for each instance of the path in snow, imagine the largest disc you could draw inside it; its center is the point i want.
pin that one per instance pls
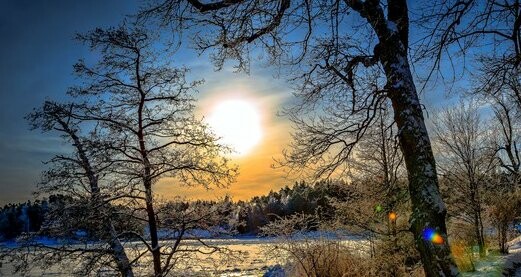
(512, 265)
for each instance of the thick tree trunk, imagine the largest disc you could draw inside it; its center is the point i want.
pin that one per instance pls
(428, 209)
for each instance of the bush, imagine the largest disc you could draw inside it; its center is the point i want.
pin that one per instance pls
(324, 257)
(306, 254)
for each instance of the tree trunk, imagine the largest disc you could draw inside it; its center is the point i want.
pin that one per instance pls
(428, 209)
(147, 179)
(121, 258)
(118, 251)
(476, 210)
(478, 226)
(152, 226)
(502, 237)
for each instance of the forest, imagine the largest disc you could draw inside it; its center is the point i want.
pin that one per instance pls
(236, 218)
(389, 184)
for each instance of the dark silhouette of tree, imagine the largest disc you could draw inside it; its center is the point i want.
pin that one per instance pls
(78, 176)
(16, 219)
(506, 117)
(145, 106)
(349, 58)
(453, 27)
(301, 199)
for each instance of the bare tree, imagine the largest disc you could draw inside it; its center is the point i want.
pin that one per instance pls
(504, 210)
(81, 178)
(378, 158)
(466, 157)
(146, 108)
(196, 221)
(338, 45)
(378, 180)
(505, 195)
(380, 207)
(491, 27)
(507, 143)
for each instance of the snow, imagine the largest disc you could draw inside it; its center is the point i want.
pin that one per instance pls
(497, 265)
(490, 266)
(275, 271)
(513, 259)
(331, 235)
(254, 259)
(431, 192)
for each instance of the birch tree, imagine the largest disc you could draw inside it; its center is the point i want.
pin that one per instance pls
(82, 177)
(332, 46)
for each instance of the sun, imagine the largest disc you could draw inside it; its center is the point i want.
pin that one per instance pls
(237, 122)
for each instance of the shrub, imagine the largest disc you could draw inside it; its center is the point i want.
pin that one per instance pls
(323, 257)
(306, 254)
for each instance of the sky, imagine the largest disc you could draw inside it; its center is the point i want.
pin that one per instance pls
(37, 53)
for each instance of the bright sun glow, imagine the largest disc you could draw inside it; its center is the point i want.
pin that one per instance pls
(237, 122)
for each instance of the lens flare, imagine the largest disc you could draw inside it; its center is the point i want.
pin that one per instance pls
(432, 236)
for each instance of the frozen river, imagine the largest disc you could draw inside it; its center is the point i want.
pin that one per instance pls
(243, 257)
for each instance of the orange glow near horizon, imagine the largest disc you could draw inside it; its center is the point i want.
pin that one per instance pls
(243, 114)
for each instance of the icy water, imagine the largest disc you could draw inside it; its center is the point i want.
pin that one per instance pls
(243, 257)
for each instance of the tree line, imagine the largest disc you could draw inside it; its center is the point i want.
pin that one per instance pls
(234, 217)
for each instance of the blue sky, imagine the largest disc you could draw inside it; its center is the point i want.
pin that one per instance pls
(37, 53)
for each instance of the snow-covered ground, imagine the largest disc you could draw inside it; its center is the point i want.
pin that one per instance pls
(496, 265)
(250, 262)
(512, 266)
(253, 258)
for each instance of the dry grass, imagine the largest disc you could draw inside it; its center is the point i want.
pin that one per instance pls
(332, 259)
(463, 256)
(327, 258)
